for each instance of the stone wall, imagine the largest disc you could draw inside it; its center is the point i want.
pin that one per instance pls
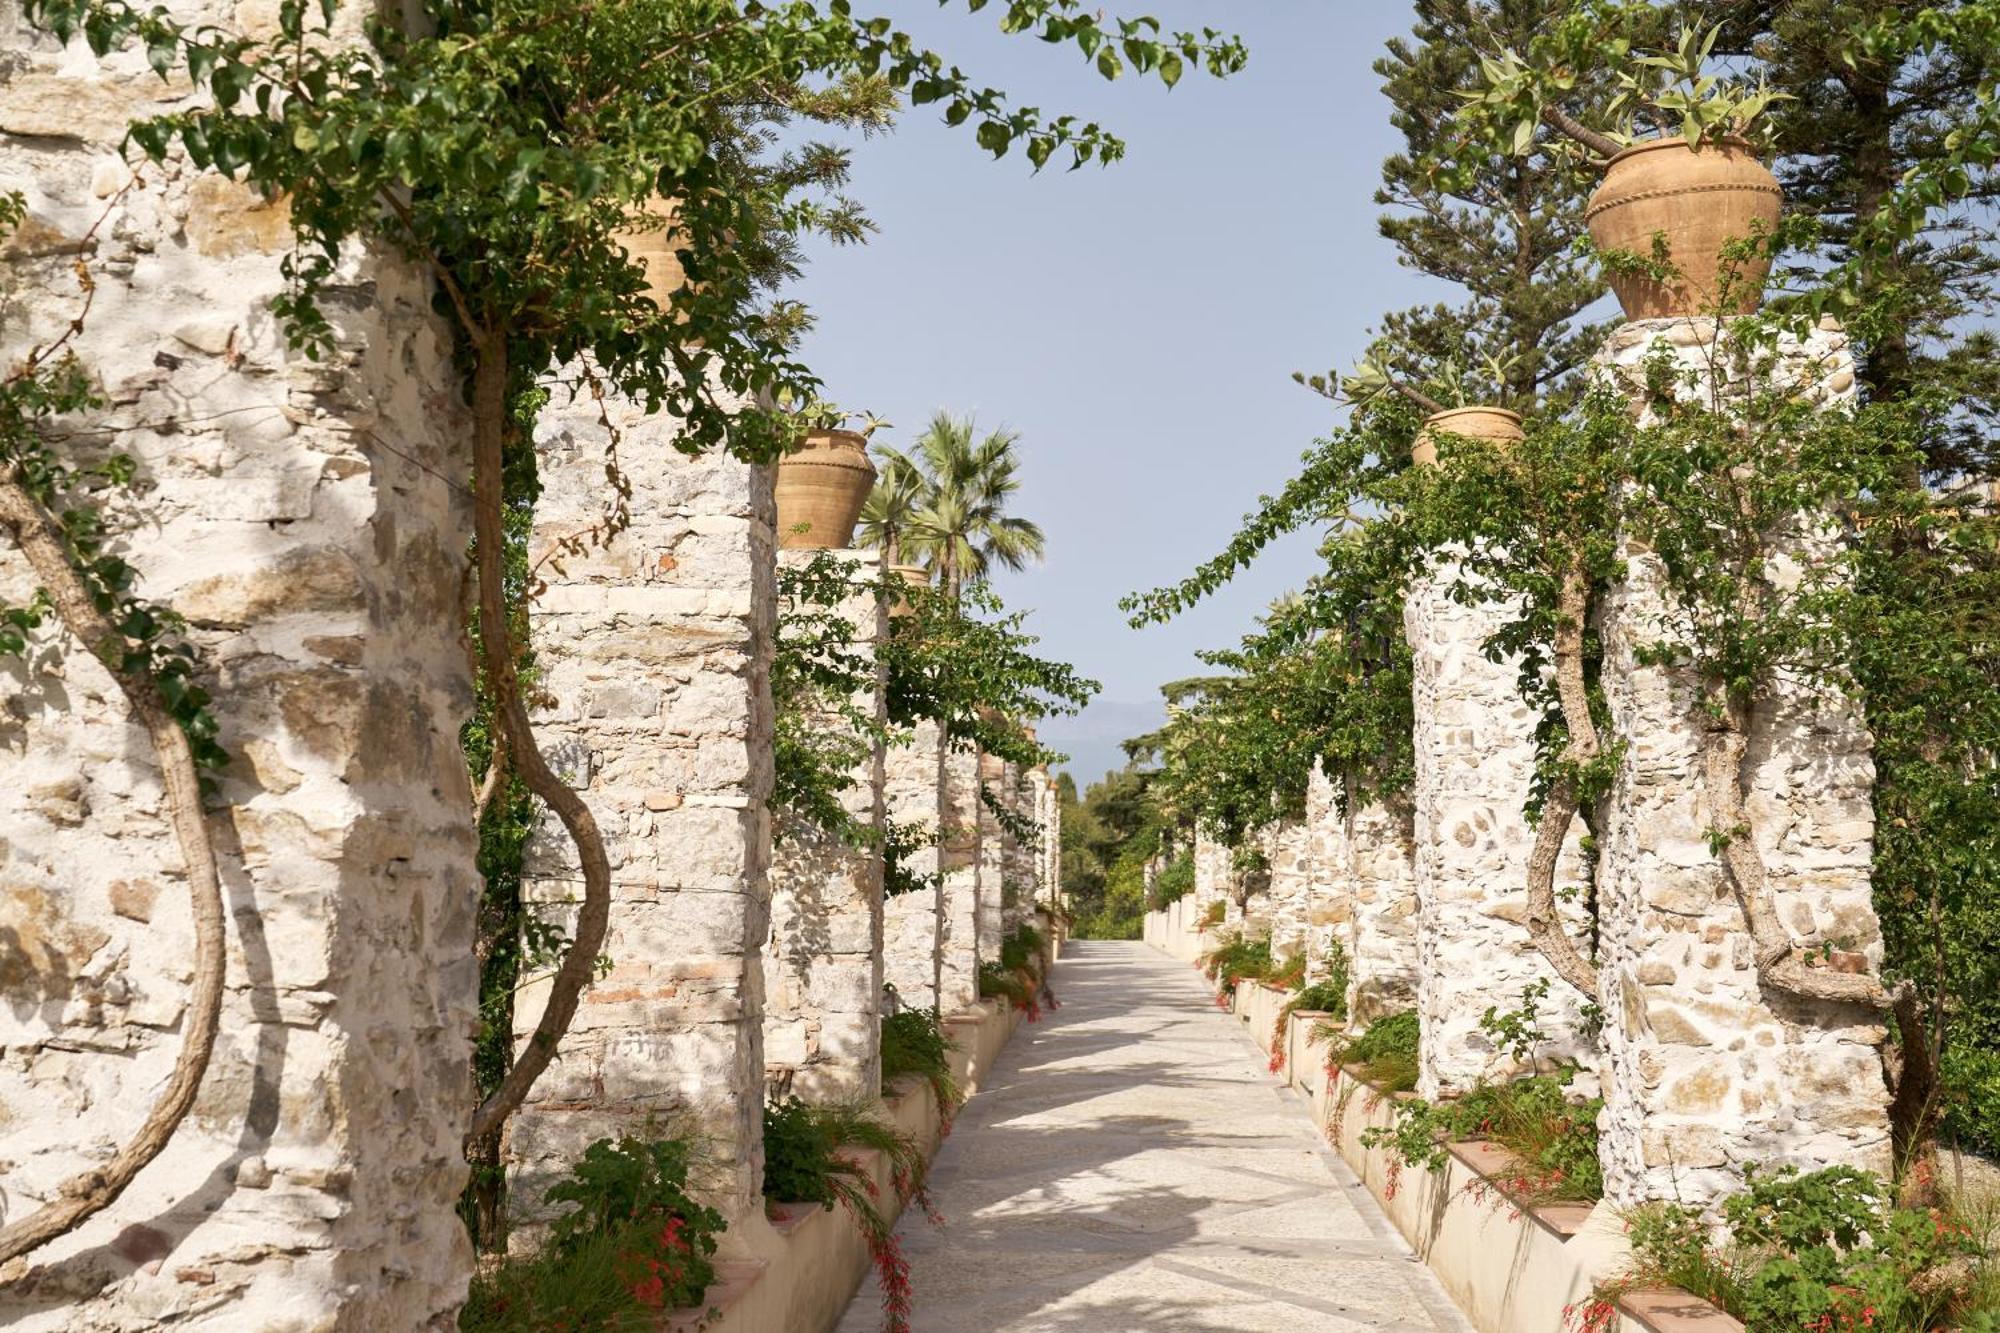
(958, 942)
(1329, 888)
(913, 788)
(1018, 853)
(823, 966)
(1048, 849)
(1380, 842)
(1475, 762)
(1214, 879)
(1706, 1070)
(309, 518)
(1285, 844)
(990, 915)
(655, 653)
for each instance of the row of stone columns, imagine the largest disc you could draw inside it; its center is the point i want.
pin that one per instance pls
(310, 520)
(1423, 896)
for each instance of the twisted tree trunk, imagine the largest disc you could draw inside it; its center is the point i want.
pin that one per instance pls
(90, 1191)
(489, 406)
(1544, 923)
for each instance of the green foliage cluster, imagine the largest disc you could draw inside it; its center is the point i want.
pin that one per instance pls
(914, 1044)
(1020, 973)
(1174, 882)
(633, 1243)
(945, 506)
(1108, 836)
(1385, 1052)
(1538, 1118)
(1825, 1250)
(1236, 957)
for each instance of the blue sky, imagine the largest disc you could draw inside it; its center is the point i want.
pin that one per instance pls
(1137, 324)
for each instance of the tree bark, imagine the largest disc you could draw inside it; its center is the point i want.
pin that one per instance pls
(1544, 922)
(489, 406)
(91, 1191)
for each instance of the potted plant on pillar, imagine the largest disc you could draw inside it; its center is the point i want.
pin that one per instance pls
(823, 484)
(1457, 400)
(1686, 201)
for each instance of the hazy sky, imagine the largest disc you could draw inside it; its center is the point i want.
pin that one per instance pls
(1137, 324)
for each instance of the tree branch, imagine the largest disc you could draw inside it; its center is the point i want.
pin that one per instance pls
(1544, 923)
(90, 1191)
(489, 407)
(1570, 127)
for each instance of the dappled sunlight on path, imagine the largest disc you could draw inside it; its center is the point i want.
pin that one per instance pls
(1129, 1165)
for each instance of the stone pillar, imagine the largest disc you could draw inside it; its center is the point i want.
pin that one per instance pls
(1705, 1069)
(1291, 887)
(1251, 874)
(1329, 889)
(1018, 853)
(1213, 879)
(958, 973)
(824, 962)
(309, 518)
(656, 653)
(913, 785)
(1475, 763)
(1379, 839)
(991, 919)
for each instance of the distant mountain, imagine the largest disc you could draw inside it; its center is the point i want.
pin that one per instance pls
(1091, 738)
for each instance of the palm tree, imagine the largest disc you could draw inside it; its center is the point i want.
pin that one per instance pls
(892, 507)
(947, 505)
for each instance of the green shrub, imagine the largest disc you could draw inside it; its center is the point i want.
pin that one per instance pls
(632, 1244)
(1174, 882)
(1212, 915)
(1535, 1118)
(913, 1042)
(1386, 1053)
(1825, 1250)
(1235, 959)
(1971, 1078)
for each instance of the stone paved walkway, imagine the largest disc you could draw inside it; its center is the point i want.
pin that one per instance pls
(1130, 1165)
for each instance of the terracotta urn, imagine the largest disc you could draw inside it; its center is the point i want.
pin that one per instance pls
(1698, 200)
(821, 489)
(915, 576)
(1478, 423)
(655, 250)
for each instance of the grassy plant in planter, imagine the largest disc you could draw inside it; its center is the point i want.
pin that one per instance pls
(1235, 959)
(1019, 974)
(1327, 997)
(812, 1155)
(913, 1042)
(633, 1245)
(1385, 1054)
(1212, 915)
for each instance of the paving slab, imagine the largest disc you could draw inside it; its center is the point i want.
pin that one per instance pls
(1129, 1164)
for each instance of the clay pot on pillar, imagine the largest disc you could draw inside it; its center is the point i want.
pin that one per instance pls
(1700, 200)
(915, 576)
(1477, 423)
(821, 489)
(655, 248)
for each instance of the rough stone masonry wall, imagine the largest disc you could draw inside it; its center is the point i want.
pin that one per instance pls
(1379, 840)
(1475, 761)
(1706, 1071)
(1048, 847)
(913, 793)
(1018, 853)
(1213, 879)
(657, 654)
(1285, 844)
(1329, 889)
(990, 915)
(823, 965)
(309, 520)
(958, 942)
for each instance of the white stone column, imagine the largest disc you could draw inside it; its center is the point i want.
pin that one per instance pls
(309, 519)
(1291, 887)
(657, 655)
(1018, 853)
(958, 984)
(823, 966)
(913, 922)
(991, 918)
(1380, 843)
(1213, 879)
(1475, 763)
(1706, 1070)
(1329, 890)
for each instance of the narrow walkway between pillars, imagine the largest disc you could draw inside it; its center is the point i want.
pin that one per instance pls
(1130, 1165)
